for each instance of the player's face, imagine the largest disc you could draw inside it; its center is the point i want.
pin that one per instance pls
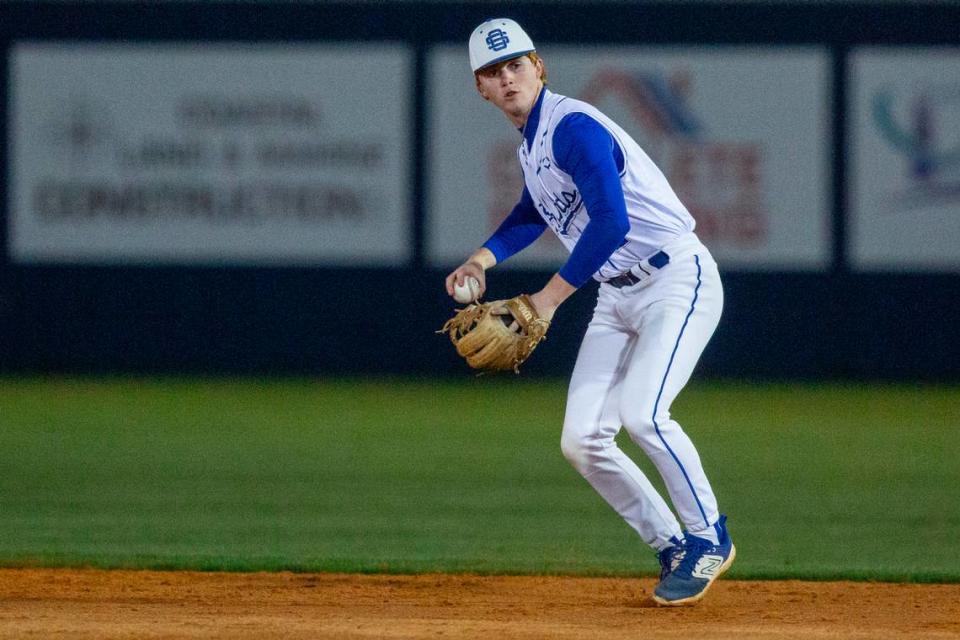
(513, 86)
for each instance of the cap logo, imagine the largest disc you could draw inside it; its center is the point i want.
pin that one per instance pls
(497, 40)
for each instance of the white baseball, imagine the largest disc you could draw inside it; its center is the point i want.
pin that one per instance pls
(468, 292)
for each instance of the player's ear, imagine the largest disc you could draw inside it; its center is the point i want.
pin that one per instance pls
(480, 90)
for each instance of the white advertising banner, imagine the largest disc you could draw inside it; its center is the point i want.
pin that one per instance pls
(209, 153)
(905, 163)
(742, 134)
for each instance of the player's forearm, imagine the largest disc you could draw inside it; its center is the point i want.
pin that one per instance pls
(557, 290)
(518, 230)
(483, 257)
(552, 296)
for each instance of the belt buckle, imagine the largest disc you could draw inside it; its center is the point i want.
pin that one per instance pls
(640, 271)
(627, 279)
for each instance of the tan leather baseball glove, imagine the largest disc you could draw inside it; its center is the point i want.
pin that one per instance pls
(498, 335)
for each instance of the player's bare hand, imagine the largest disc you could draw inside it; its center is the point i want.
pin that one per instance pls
(468, 269)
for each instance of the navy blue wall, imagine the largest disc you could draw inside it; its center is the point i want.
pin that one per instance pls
(836, 324)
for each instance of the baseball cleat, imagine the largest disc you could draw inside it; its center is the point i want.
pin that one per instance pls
(701, 563)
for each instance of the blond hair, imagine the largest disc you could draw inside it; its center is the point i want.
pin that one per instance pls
(490, 69)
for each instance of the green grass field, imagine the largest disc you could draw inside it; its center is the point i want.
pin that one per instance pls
(818, 481)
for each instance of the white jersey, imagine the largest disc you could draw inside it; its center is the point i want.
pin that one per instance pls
(655, 213)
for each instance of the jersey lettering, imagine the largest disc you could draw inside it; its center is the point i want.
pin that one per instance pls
(564, 207)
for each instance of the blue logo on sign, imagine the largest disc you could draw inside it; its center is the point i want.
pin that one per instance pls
(917, 125)
(497, 40)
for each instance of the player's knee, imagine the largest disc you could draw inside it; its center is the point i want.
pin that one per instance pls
(637, 419)
(579, 450)
(573, 449)
(643, 426)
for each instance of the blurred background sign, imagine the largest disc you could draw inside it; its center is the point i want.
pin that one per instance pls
(223, 187)
(206, 153)
(760, 192)
(905, 187)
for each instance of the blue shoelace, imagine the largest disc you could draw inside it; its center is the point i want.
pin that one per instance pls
(694, 548)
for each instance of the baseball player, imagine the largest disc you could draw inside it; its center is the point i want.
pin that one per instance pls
(659, 302)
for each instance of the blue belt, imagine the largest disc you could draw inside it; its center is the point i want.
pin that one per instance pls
(657, 261)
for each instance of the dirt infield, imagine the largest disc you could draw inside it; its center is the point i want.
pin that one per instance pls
(51, 603)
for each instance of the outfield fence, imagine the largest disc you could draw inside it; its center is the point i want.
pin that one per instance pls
(280, 188)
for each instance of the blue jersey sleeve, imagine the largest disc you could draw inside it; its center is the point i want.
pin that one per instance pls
(586, 151)
(518, 230)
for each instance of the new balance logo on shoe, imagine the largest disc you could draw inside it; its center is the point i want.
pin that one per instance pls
(707, 567)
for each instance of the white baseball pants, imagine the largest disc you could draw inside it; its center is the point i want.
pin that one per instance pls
(638, 353)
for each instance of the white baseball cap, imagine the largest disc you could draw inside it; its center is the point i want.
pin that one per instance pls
(496, 40)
